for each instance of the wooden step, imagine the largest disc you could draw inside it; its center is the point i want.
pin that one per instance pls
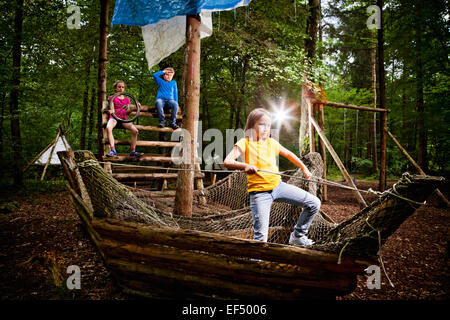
(154, 115)
(153, 128)
(123, 157)
(142, 143)
(150, 176)
(146, 128)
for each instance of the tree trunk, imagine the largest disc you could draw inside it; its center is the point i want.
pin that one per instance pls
(382, 88)
(2, 117)
(373, 126)
(185, 182)
(242, 92)
(422, 144)
(101, 80)
(84, 116)
(405, 129)
(312, 26)
(14, 96)
(232, 112)
(91, 119)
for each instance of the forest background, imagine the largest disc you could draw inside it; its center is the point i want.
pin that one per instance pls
(255, 57)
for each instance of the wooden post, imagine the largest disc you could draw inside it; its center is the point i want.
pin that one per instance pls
(322, 150)
(101, 79)
(341, 167)
(311, 114)
(304, 136)
(191, 66)
(383, 129)
(406, 154)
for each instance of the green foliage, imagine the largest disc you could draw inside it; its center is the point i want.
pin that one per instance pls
(254, 58)
(361, 165)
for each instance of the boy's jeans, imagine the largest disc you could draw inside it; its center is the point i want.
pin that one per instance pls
(161, 103)
(260, 203)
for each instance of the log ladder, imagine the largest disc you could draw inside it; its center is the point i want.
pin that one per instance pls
(154, 142)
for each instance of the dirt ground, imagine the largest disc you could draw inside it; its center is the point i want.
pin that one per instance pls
(43, 235)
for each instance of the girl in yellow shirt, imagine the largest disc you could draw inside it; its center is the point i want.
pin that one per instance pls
(260, 152)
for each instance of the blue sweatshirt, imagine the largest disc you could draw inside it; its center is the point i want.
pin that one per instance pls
(166, 90)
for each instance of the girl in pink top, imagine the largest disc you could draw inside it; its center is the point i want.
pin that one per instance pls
(119, 102)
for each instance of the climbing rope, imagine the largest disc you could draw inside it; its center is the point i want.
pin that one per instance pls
(282, 173)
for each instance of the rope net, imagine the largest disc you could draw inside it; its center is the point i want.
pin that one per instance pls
(226, 211)
(223, 208)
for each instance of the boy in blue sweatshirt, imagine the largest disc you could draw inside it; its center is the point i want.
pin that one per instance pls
(167, 96)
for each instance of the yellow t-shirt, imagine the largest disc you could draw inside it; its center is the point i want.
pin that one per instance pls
(262, 155)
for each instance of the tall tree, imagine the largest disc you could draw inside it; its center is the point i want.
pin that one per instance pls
(312, 28)
(15, 91)
(422, 144)
(382, 88)
(101, 80)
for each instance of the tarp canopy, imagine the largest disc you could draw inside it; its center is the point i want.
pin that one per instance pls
(144, 12)
(163, 22)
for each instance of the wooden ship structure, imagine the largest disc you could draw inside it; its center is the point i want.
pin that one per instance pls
(156, 254)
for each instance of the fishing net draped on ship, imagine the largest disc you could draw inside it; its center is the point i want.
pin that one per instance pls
(227, 210)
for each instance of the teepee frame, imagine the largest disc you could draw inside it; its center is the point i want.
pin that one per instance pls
(52, 145)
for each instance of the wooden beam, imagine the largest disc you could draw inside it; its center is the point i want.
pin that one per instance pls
(146, 176)
(414, 163)
(143, 143)
(338, 161)
(137, 233)
(185, 182)
(349, 106)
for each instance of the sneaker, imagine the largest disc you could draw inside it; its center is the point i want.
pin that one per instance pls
(302, 241)
(112, 153)
(161, 124)
(174, 126)
(134, 153)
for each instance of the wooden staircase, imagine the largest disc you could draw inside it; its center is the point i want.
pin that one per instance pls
(154, 142)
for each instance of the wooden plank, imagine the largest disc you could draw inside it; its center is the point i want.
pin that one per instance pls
(340, 165)
(142, 143)
(140, 234)
(153, 128)
(235, 269)
(143, 158)
(414, 163)
(204, 283)
(145, 176)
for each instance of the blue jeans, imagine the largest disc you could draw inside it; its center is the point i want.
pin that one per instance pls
(260, 203)
(161, 104)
